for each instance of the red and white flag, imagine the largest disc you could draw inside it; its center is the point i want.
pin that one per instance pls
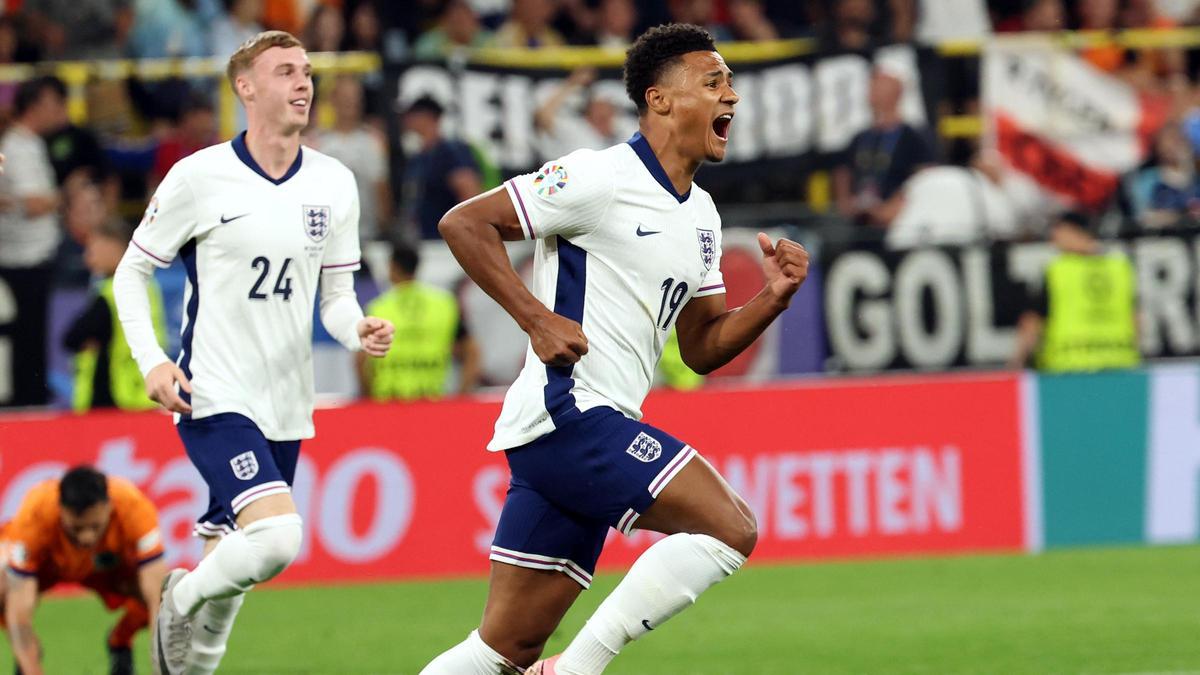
(1058, 121)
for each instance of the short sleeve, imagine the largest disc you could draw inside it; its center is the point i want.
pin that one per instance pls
(342, 253)
(169, 221)
(565, 197)
(26, 536)
(458, 156)
(139, 521)
(714, 282)
(28, 169)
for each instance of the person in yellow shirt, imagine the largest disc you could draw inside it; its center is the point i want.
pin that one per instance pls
(106, 375)
(1085, 318)
(430, 337)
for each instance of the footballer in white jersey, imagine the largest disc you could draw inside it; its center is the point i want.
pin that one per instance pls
(259, 222)
(627, 248)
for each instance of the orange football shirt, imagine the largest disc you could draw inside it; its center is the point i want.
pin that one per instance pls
(36, 544)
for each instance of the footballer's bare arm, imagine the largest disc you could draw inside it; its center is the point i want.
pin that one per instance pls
(711, 335)
(475, 231)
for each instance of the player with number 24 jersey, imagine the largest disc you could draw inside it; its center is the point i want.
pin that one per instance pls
(254, 248)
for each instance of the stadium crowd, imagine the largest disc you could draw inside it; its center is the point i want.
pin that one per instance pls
(65, 182)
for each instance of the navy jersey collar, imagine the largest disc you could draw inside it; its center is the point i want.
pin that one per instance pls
(645, 153)
(243, 153)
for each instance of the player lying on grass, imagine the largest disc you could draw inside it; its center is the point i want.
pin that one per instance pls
(101, 533)
(627, 247)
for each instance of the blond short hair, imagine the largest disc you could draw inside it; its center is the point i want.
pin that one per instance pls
(243, 58)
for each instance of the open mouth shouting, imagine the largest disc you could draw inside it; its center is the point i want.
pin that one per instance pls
(720, 126)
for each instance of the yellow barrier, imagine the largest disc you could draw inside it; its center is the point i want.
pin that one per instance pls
(77, 74)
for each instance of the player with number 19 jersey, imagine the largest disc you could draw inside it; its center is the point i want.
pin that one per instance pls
(254, 248)
(620, 251)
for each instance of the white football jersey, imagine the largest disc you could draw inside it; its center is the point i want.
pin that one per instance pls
(254, 248)
(621, 252)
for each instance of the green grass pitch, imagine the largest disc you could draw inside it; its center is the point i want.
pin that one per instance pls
(1083, 611)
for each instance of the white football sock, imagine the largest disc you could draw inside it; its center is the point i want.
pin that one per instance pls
(246, 557)
(211, 627)
(470, 657)
(664, 581)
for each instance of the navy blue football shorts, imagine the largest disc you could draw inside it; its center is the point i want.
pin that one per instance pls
(239, 464)
(599, 470)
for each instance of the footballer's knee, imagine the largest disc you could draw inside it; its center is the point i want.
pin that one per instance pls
(523, 651)
(740, 529)
(276, 543)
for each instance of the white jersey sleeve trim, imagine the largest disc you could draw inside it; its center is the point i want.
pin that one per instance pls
(714, 289)
(343, 267)
(518, 201)
(158, 260)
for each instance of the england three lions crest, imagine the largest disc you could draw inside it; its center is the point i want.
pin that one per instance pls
(316, 222)
(645, 448)
(245, 465)
(708, 247)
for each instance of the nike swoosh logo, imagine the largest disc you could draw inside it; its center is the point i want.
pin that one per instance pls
(214, 632)
(646, 623)
(230, 220)
(645, 233)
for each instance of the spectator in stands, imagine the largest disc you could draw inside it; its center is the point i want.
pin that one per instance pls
(430, 336)
(195, 129)
(560, 132)
(1085, 316)
(365, 30)
(363, 149)
(283, 15)
(168, 28)
(1101, 16)
(1167, 191)
(1164, 64)
(699, 13)
(940, 20)
(106, 376)
(29, 229)
(80, 29)
(1041, 15)
(852, 27)
(528, 25)
(74, 149)
(616, 21)
(439, 173)
(84, 210)
(881, 158)
(748, 21)
(9, 44)
(240, 22)
(458, 31)
(325, 29)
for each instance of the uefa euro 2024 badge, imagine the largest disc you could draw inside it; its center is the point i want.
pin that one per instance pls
(551, 178)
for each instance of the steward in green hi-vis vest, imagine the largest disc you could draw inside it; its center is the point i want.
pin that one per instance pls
(675, 373)
(1091, 314)
(427, 328)
(106, 374)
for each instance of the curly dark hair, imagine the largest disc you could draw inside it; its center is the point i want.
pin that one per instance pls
(655, 50)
